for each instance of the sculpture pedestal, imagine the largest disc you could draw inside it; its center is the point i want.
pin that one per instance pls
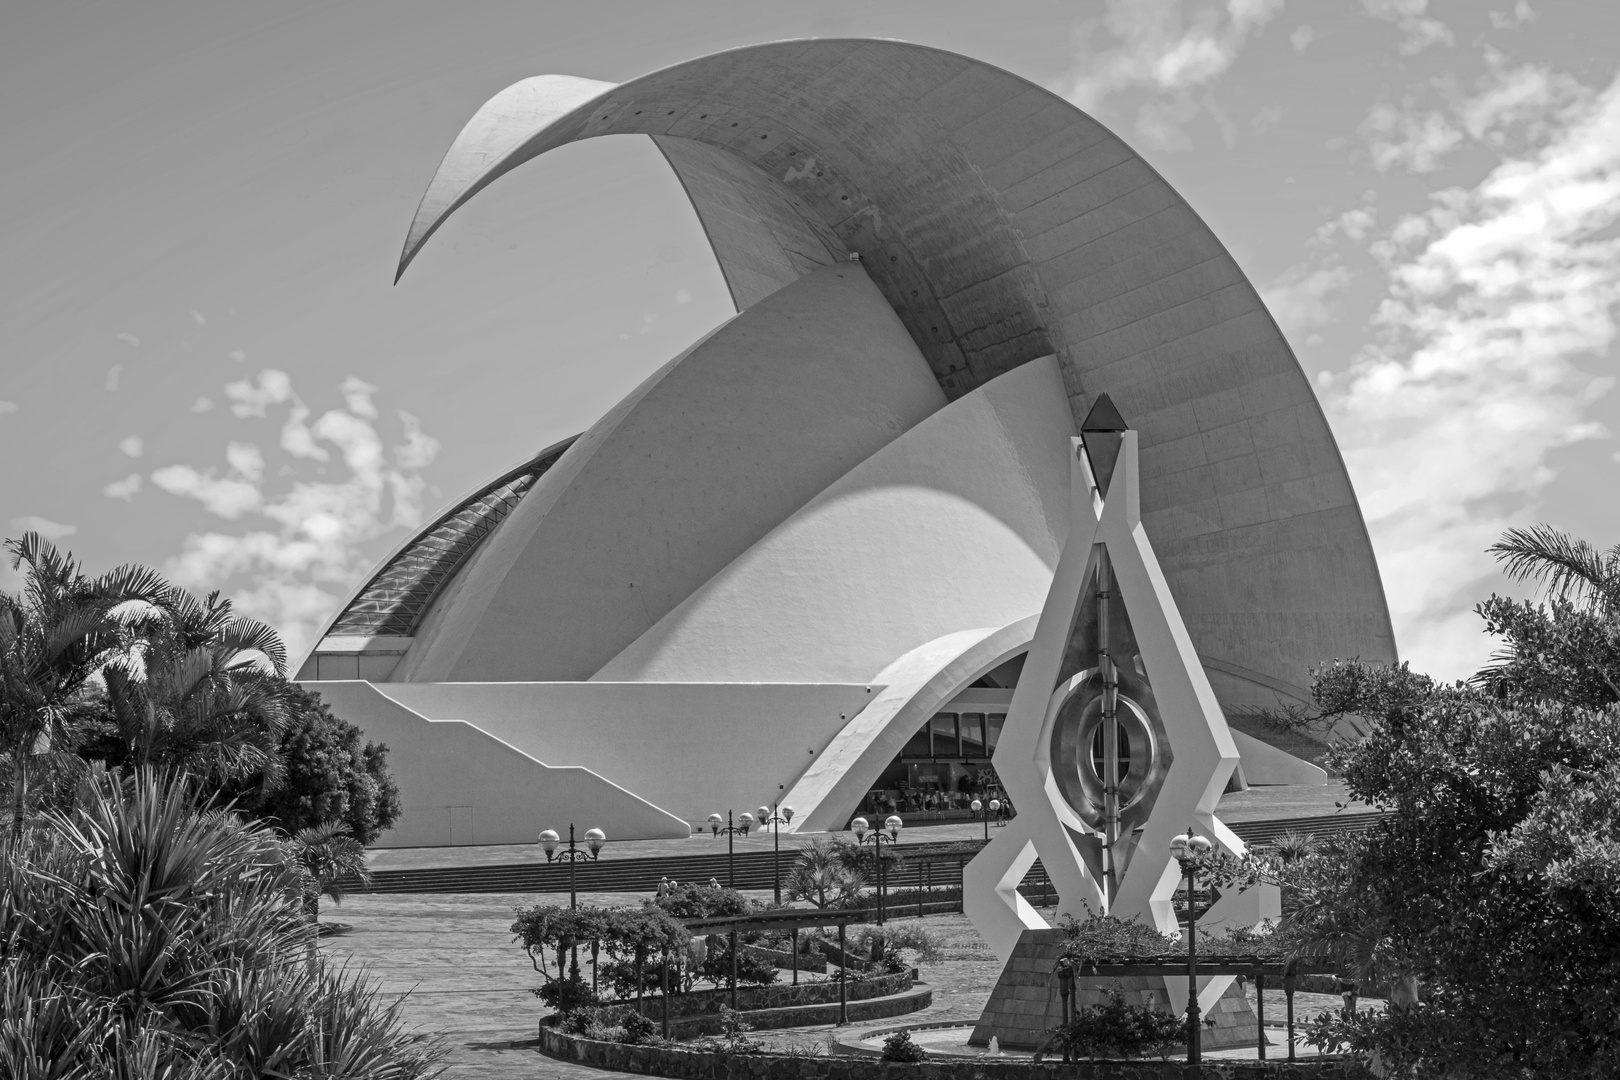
(1025, 1004)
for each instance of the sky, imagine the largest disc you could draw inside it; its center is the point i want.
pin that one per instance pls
(206, 367)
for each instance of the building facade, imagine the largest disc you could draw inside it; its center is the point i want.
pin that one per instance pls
(802, 561)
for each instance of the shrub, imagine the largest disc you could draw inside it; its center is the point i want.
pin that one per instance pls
(568, 995)
(1119, 1029)
(752, 970)
(899, 1047)
(142, 937)
(733, 1037)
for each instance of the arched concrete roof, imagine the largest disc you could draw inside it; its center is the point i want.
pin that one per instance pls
(1002, 224)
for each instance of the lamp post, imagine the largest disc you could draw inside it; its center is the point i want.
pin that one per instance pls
(976, 806)
(889, 834)
(732, 831)
(776, 818)
(1187, 848)
(594, 839)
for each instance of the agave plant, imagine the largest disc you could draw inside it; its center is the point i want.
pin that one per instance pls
(142, 937)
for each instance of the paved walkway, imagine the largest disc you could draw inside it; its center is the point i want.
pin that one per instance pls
(1256, 804)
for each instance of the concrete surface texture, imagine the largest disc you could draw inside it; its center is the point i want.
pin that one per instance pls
(859, 482)
(1003, 224)
(682, 476)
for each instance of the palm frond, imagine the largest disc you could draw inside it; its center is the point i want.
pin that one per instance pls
(1567, 566)
(250, 635)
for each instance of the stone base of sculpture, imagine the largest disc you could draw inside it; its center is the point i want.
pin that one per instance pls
(1025, 1004)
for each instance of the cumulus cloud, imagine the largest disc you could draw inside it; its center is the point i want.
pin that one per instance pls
(254, 397)
(1498, 294)
(1401, 135)
(50, 530)
(125, 489)
(1419, 30)
(306, 539)
(129, 339)
(132, 446)
(112, 377)
(201, 405)
(1302, 37)
(1174, 48)
(1508, 20)
(1302, 299)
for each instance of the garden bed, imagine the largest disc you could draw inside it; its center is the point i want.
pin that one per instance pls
(752, 998)
(679, 1063)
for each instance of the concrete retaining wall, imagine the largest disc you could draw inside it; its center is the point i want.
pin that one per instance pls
(682, 1064)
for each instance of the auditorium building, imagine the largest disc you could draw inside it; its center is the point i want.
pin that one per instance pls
(801, 563)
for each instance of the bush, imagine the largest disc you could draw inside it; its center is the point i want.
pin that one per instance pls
(732, 1038)
(331, 775)
(638, 1029)
(899, 1047)
(145, 938)
(752, 970)
(1119, 1029)
(568, 995)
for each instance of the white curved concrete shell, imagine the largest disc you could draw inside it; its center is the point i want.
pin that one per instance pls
(868, 463)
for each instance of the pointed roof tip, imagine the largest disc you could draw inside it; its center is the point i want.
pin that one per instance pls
(1104, 416)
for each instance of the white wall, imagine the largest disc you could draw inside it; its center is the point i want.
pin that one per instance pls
(953, 526)
(689, 748)
(676, 481)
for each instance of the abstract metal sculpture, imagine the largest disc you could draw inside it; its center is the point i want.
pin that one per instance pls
(1114, 740)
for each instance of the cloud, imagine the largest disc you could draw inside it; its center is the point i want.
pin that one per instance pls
(50, 530)
(238, 354)
(253, 398)
(1301, 299)
(307, 539)
(125, 489)
(1402, 136)
(1508, 20)
(1172, 48)
(7, 408)
(1302, 37)
(1353, 225)
(198, 317)
(202, 405)
(1496, 295)
(129, 338)
(1410, 17)
(112, 377)
(132, 446)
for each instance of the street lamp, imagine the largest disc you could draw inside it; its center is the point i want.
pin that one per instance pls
(976, 806)
(594, 839)
(776, 818)
(889, 834)
(732, 831)
(1187, 849)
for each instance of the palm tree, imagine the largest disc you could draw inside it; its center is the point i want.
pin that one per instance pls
(327, 857)
(54, 635)
(1570, 568)
(190, 689)
(823, 876)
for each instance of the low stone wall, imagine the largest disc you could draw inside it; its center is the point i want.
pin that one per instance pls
(751, 998)
(683, 1064)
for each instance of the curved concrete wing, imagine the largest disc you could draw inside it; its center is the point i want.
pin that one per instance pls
(953, 526)
(1003, 224)
(686, 473)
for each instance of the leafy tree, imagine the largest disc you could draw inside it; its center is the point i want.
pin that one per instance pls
(54, 636)
(141, 936)
(1487, 901)
(328, 774)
